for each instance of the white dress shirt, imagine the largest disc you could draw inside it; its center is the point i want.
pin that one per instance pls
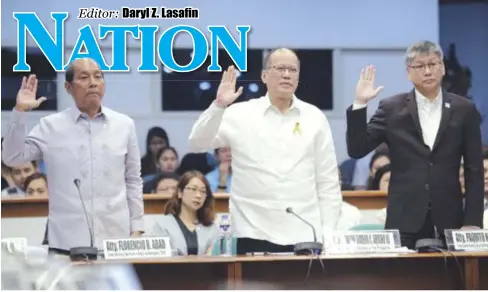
(103, 153)
(275, 167)
(430, 113)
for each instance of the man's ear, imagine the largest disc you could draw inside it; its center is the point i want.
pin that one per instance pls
(408, 75)
(263, 76)
(443, 69)
(68, 87)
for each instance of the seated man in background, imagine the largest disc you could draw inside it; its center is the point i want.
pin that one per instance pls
(189, 217)
(221, 177)
(90, 151)
(19, 175)
(163, 184)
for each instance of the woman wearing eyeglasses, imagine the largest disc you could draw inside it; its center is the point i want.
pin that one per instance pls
(189, 216)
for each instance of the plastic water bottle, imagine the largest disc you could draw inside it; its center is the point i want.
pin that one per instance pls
(225, 235)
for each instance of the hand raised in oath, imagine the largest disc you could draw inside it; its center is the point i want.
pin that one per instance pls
(365, 90)
(227, 94)
(26, 97)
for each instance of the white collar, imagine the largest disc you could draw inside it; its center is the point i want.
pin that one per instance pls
(266, 101)
(422, 100)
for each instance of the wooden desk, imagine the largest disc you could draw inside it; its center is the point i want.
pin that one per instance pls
(185, 273)
(396, 272)
(407, 271)
(154, 204)
(483, 273)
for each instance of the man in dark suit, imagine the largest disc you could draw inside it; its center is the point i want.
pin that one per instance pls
(427, 131)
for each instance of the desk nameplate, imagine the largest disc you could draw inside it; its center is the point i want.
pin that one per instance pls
(136, 248)
(467, 240)
(368, 241)
(14, 245)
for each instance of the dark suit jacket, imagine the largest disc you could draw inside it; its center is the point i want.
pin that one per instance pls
(421, 177)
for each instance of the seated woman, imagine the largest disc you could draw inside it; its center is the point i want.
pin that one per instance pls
(167, 158)
(189, 217)
(379, 159)
(36, 185)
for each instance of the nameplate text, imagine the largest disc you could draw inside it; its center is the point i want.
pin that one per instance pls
(470, 240)
(346, 242)
(132, 248)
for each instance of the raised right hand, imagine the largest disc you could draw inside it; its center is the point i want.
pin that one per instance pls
(227, 94)
(365, 90)
(26, 97)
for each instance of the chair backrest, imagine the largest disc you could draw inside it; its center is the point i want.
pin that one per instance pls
(347, 168)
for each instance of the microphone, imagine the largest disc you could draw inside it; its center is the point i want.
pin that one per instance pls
(83, 253)
(306, 248)
(428, 245)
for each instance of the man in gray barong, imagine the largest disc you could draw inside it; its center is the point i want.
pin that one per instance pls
(88, 143)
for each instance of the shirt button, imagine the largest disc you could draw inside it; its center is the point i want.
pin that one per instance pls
(427, 187)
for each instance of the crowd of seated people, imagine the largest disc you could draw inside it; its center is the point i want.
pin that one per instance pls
(162, 160)
(25, 180)
(191, 182)
(161, 169)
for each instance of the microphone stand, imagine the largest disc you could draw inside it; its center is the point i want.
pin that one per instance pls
(83, 253)
(306, 248)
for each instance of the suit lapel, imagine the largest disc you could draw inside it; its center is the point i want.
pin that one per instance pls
(413, 109)
(446, 116)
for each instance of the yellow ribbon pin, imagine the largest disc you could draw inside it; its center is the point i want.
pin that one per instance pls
(297, 129)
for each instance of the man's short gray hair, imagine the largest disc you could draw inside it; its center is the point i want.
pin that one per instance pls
(423, 47)
(267, 58)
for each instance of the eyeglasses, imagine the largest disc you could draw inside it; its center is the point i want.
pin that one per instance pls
(194, 190)
(283, 69)
(421, 68)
